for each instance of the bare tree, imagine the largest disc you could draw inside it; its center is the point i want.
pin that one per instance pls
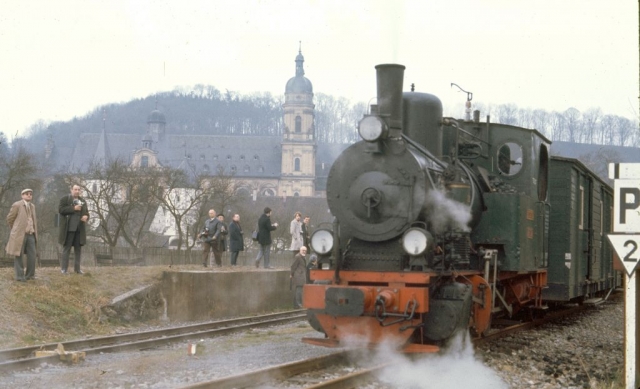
(118, 200)
(181, 195)
(18, 170)
(591, 120)
(507, 114)
(573, 124)
(541, 121)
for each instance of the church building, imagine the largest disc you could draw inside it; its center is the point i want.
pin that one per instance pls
(293, 164)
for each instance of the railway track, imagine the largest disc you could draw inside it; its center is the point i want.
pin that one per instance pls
(347, 369)
(357, 370)
(23, 358)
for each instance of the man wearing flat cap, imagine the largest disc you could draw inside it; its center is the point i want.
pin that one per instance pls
(24, 235)
(72, 233)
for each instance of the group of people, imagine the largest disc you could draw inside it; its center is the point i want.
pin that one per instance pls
(23, 238)
(214, 234)
(213, 237)
(74, 213)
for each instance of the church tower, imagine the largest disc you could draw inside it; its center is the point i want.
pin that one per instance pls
(156, 124)
(298, 143)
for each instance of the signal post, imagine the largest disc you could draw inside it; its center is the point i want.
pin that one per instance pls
(625, 240)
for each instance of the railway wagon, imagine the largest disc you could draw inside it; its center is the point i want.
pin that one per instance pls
(580, 256)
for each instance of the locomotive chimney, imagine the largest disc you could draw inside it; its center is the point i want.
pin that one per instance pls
(389, 79)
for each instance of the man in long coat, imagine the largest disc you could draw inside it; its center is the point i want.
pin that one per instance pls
(295, 229)
(72, 231)
(210, 233)
(24, 235)
(264, 237)
(298, 276)
(236, 239)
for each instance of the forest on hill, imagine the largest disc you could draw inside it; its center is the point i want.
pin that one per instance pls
(203, 109)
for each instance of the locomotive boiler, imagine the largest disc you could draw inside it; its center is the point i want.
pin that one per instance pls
(440, 225)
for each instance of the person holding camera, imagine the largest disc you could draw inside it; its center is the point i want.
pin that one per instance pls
(264, 237)
(209, 235)
(72, 231)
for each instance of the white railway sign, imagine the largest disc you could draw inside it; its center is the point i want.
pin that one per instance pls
(628, 249)
(626, 241)
(626, 206)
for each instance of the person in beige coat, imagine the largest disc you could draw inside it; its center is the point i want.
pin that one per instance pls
(295, 229)
(24, 235)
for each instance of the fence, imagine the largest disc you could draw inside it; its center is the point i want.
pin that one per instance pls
(147, 256)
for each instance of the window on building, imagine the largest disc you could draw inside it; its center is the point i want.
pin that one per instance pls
(94, 188)
(228, 157)
(298, 124)
(296, 194)
(242, 157)
(261, 169)
(144, 161)
(296, 164)
(205, 169)
(243, 192)
(270, 192)
(247, 169)
(233, 168)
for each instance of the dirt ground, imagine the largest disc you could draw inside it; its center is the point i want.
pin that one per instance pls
(56, 307)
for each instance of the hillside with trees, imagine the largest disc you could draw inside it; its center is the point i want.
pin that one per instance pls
(206, 110)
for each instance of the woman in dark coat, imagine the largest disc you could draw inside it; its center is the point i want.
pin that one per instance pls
(236, 239)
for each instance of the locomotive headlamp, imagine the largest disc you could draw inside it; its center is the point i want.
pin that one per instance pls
(322, 241)
(372, 128)
(415, 241)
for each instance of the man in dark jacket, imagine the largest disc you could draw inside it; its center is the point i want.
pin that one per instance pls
(209, 235)
(236, 239)
(72, 231)
(264, 237)
(298, 277)
(222, 238)
(306, 232)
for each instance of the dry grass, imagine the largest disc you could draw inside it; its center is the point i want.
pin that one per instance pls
(58, 307)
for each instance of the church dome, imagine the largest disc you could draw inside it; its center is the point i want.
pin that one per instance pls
(156, 117)
(299, 84)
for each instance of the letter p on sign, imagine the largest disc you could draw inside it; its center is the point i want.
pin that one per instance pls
(626, 206)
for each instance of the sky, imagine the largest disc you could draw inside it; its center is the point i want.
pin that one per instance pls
(61, 59)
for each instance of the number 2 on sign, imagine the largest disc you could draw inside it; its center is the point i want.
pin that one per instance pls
(628, 258)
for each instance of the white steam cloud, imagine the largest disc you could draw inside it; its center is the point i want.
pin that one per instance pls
(454, 368)
(444, 213)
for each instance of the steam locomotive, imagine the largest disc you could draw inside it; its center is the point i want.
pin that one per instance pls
(442, 225)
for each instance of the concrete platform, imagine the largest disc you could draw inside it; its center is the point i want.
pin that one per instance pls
(207, 295)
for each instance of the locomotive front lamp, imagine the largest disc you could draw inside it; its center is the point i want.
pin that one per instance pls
(372, 128)
(322, 241)
(415, 241)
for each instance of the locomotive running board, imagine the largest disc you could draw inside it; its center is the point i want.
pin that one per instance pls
(411, 348)
(414, 348)
(321, 342)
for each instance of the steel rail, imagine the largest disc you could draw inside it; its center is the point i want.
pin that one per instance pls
(147, 339)
(353, 380)
(278, 372)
